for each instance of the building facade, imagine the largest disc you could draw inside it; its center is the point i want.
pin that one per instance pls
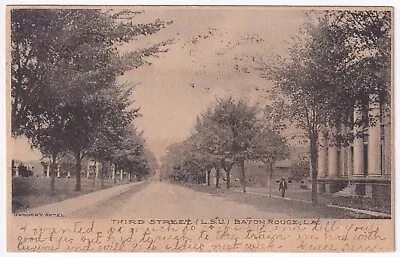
(361, 166)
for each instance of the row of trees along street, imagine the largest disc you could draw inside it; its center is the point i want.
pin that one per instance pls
(339, 62)
(65, 98)
(230, 133)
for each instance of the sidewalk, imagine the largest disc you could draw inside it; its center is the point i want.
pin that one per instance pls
(303, 196)
(67, 207)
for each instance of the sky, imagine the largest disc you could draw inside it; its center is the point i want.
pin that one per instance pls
(213, 54)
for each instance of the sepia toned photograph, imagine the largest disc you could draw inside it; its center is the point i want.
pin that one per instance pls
(201, 115)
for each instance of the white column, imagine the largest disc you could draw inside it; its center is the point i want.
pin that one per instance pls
(113, 171)
(387, 143)
(374, 138)
(343, 152)
(88, 170)
(129, 176)
(349, 162)
(97, 169)
(48, 170)
(121, 174)
(58, 171)
(349, 152)
(358, 144)
(17, 171)
(333, 169)
(213, 177)
(343, 161)
(68, 174)
(322, 154)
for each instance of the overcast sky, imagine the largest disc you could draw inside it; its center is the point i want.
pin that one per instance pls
(213, 54)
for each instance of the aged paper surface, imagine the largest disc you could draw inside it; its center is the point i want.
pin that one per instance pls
(180, 129)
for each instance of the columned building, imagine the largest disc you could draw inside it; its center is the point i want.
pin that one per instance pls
(360, 166)
(92, 169)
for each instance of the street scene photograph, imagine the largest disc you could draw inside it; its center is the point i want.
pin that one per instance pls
(185, 112)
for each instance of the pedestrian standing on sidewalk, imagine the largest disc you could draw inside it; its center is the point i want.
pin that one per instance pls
(283, 186)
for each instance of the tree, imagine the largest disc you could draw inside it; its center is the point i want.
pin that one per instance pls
(31, 86)
(72, 52)
(151, 160)
(112, 129)
(332, 65)
(197, 162)
(129, 154)
(269, 146)
(31, 34)
(351, 49)
(300, 93)
(228, 134)
(209, 139)
(228, 131)
(300, 169)
(48, 140)
(171, 163)
(180, 163)
(44, 39)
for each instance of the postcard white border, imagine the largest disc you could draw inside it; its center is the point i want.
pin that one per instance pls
(3, 123)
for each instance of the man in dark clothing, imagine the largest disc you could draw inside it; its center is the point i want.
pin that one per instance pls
(283, 186)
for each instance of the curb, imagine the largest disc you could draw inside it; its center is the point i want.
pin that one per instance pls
(108, 197)
(66, 213)
(367, 212)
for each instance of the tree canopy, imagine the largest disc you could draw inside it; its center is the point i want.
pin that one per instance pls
(340, 60)
(63, 79)
(229, 133)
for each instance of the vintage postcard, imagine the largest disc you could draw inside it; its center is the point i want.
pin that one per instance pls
(199, 129)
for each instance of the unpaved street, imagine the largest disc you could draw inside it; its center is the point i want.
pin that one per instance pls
(165, 200)
(162, 200)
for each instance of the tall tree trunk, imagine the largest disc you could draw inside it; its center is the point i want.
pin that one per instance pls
(208, 177)
(243, 176)
(115, 174)
(103, 172)
(228, 178)
(78, 167)
(130, 176)
(53, 170)
(217, 178)
(314, 171)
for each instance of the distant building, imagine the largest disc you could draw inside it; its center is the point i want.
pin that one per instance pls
(282, 168)
(257, 173)
(18, 169)
(92, 169)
